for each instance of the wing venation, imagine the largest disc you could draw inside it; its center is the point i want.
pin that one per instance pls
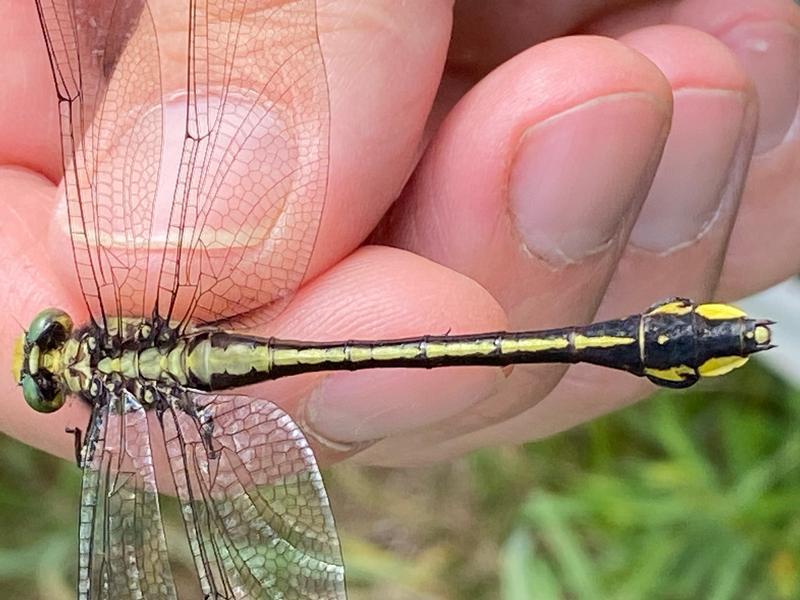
(255, 508)
(122, 546)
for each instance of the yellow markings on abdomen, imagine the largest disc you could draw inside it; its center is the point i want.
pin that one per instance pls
(718, 312)
(460, 348)
(206, 360)
(676, 307)
(583, 342)
(440, 348)
(307, 356)
(677, 373)
(532, 344)
(282, 357)
(238, 359)
(359, 353)
(351, 352)
(389, 352)
(714, 367)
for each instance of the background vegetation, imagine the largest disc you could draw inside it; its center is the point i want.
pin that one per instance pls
(685, 496)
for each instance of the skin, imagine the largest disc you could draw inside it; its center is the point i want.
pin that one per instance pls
(542, 179)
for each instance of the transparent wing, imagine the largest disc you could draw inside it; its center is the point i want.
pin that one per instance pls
(254, 505)
(196, 169)
(253, 170)
(122, 547)
(111, 140)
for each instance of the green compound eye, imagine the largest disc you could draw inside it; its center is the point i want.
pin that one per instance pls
(49, 328)
(45, 398)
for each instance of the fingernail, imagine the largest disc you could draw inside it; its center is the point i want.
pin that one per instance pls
(577, 175)
(770, 52)
(689, 186)
(348, 408)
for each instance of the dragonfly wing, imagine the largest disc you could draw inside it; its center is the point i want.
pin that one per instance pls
(122, 546)
(217, 190)
(105, 63)
(254, 166)
(254, 504)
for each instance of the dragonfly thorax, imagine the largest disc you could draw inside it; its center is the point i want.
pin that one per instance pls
(52, 361)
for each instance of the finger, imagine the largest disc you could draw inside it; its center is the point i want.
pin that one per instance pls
(765, 36)
(384, 63)
(770, 209)
(678, 243)
(532, 184)
(486, 34)
(29, 285)
(28, 117)
(762, 33)
(360, 47)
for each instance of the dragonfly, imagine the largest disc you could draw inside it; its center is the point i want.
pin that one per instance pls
(177, 262)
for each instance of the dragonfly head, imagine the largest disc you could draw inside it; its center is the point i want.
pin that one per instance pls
(35, 360)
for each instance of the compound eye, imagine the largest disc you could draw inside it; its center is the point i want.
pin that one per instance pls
(49, 329)
(43, 396)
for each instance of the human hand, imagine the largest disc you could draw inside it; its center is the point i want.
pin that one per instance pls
(545, 183)
(521, 214)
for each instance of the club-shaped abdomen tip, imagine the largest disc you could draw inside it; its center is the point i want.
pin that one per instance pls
(753, 336)
(685, 341)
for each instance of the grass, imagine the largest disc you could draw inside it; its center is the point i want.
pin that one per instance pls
(688, 495)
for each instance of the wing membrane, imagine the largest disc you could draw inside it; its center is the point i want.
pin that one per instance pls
(254, 505)
(225, 215)
(105, 63)
(122, 547)
(253, 172)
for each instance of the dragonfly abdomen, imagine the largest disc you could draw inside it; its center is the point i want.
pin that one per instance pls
(673, 344)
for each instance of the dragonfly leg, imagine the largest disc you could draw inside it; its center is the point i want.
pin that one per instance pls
(206, 420)
(78, 442)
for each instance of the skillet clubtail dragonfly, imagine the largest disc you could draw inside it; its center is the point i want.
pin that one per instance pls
(171, 282)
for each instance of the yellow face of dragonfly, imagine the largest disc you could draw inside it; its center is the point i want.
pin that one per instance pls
(37, 360)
